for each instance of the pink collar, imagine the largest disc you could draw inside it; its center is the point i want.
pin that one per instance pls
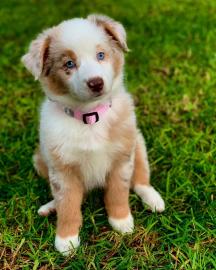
(92, 116)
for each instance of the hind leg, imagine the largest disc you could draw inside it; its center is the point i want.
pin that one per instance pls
(42, 170)
(47, 208)
(40, 165)
(141, 178)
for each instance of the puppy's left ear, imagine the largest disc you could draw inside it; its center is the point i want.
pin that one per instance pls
(112, 28)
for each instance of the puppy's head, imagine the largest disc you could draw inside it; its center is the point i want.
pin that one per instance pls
(80, 58)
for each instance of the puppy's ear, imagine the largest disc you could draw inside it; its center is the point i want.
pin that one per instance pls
(37, 55)
(113, 28)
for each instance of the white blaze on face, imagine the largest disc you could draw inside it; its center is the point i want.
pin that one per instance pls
(84, 38)
(90, 68)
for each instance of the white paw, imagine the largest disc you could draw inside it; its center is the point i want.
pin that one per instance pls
(151, 197)
(123, 225)
(67, 244)
(45, 209)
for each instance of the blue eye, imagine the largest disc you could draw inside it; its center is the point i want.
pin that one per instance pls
(70, 64)
(100, 56)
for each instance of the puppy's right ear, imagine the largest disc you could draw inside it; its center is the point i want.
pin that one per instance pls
(37, 55)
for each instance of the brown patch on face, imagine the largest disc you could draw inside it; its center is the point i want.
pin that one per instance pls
(55, 84)
(114, 55)
(55, 73)
(71, 55)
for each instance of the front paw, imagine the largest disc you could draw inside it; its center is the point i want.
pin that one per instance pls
(67, 244)
(151, 197)
(122, 225)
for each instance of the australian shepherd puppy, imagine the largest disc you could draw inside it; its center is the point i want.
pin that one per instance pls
(88, 132)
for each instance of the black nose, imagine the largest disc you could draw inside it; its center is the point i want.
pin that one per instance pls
(95, 84)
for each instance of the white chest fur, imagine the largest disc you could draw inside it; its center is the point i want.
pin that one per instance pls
(76, 143)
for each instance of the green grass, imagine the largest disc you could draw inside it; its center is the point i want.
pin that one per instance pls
(171, 73)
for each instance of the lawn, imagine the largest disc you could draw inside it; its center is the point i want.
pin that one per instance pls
(171, 72)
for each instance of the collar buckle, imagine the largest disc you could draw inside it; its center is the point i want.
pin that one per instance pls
(86, 115)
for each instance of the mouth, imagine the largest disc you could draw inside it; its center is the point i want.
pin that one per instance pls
(98, 94)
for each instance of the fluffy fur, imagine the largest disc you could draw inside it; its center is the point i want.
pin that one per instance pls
(76, 157)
